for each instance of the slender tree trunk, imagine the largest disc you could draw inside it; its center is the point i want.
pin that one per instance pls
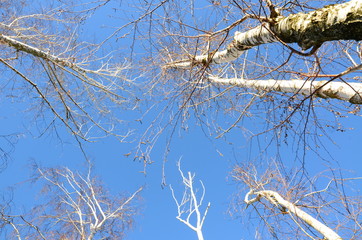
(274, 198)
(351, 92)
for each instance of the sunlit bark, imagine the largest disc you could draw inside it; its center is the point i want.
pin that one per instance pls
(84, 210)
(351, 92)
(66, 73)
(190, 205)
(332, 22)
(274, 198)
(76, 207)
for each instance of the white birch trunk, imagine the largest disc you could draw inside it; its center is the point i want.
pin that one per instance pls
(350, 92)
(20, 46)
(333, 22)
(190, 205)
(274, 198)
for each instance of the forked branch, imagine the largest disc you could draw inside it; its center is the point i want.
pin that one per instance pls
(332, 22)
(190, 204)
(277, 200)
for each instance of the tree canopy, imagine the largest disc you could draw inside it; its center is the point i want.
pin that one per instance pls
(264, 89)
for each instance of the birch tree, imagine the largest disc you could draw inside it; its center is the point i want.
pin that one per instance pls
(73, 206)
(274, 198)
(284, 57)
(308, 30)
(287, 64)
(291, 206)
(64, 78)
(189, 207)
(280, 62)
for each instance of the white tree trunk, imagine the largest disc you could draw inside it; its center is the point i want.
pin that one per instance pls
(332, 22)
(351, 92)
(190, 204)
(274, 198)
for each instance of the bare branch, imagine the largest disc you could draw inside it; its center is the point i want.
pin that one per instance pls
(296, 28)
(190, 204)
(79, 207)
(274, 198)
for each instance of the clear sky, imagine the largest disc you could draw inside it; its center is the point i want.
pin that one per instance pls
(158, 211)
(211, 159)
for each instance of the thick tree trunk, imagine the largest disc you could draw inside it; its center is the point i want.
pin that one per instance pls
(332, 22)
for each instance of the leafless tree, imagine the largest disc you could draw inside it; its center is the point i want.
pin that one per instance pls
(286, 63)
(258, 58)
(277, 61)
(73, 206)
(48, 63)
(191, 203)
(290, 206)
(65, 79)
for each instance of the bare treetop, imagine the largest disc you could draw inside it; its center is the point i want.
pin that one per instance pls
(67, 76)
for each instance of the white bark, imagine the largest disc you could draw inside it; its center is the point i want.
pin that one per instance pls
(190, 205)
(351, 92)
(274, 198)
(20, 46)
(90, 209)
(64, 62)
(333, 22)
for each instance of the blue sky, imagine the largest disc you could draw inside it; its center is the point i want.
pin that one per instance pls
(121, 174)
(158, 211)
(211, 159)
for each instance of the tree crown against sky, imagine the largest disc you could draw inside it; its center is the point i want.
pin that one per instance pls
(228, 67)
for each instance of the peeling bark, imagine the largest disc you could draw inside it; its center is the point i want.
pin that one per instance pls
(332, 22)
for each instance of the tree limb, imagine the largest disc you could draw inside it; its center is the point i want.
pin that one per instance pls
(274, 198)
(332, 22)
